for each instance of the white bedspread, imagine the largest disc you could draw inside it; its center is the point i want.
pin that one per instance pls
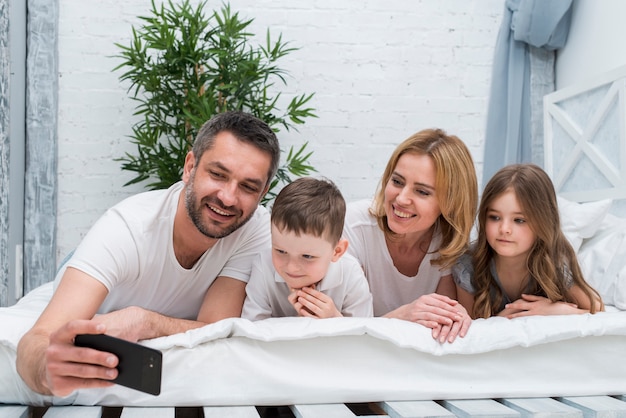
(299, 360)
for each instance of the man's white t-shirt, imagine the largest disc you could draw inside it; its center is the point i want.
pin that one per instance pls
(390, 288)
(130, 251)
(344, 283)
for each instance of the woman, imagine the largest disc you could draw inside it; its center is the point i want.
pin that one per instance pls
(414, 230)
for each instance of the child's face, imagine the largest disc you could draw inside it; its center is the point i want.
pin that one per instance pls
(303, 260)
(506, 228)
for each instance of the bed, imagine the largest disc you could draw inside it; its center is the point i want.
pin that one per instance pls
(537, 366)
(299, 361)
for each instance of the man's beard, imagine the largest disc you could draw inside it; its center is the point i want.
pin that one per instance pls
(195, 213)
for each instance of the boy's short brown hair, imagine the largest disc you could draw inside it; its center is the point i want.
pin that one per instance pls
(310, 206)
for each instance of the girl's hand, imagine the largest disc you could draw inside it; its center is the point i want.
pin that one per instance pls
(314, 304)
(538, 305)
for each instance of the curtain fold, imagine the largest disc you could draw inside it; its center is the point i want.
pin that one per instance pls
(526, 24)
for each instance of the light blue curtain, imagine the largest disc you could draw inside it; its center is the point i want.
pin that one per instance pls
(526, 24)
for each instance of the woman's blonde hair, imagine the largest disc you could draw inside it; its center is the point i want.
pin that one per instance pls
(551, 259)
(456, 189)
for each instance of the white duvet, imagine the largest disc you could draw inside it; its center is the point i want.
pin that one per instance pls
(284, 361)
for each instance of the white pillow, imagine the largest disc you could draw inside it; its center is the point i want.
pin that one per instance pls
(580, 221)
(602, 259)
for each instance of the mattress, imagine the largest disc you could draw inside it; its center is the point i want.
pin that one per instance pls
(283, 361)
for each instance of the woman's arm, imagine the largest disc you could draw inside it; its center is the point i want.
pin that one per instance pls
(465, 298)
(447, 287)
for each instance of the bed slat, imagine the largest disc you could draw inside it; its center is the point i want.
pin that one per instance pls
(338, 410)
(13, 411)
(415, 409)
(613, 406)
(542, 407)
(484, 408)
(230, 411)
(137, 412)
(73, 412)
(597, 406)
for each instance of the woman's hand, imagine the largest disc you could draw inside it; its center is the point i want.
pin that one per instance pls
(431, 311)
(458, 328)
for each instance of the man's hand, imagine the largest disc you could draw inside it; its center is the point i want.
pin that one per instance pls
(68, 367)
(126, 323)
(47, 360)
(313, 304)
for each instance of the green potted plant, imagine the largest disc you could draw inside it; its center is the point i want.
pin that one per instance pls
(185, 67)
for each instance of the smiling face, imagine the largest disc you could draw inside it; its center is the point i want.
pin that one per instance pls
(411, 204)
(303, 260)
(224, 188)
(506, 228)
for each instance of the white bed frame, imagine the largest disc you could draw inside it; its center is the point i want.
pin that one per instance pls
(587, 406)
(585, 140)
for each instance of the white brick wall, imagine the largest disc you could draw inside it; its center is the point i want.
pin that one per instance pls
(380, 70)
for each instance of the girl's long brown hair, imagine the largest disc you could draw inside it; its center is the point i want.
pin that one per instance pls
(550, 259)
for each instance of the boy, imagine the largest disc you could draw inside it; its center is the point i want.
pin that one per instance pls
(306, 272)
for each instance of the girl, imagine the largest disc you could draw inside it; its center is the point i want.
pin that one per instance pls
(521, 264)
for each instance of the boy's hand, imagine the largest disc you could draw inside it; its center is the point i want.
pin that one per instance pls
(293, 299)
(313, 304)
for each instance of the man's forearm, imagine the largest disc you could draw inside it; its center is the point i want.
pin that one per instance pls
(156, 325)
(135, 323)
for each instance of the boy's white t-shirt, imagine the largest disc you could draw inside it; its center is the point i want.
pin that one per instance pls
(130, 251)
(390, 288)
(344, 283)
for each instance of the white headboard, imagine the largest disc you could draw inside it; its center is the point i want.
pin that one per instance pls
(585, 140)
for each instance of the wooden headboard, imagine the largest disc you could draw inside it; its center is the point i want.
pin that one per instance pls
(585, 140)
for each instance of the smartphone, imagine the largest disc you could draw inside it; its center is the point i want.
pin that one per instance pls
(139, 366)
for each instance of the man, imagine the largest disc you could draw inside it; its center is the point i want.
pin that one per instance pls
(160, 262)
